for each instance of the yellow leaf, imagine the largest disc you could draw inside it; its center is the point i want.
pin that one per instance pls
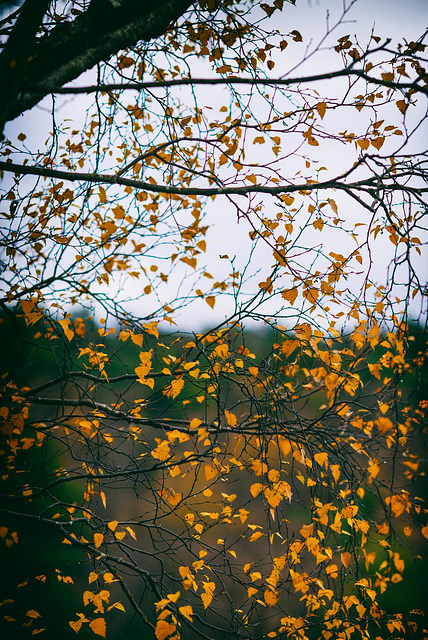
(222, 350)
(98, 539)
(69, 334)
(254, 371)
(173, 389)
(75, 625)
(251, 591)
(230, 418)
(175, 471)
(112, 525)
(335, 470)
(109, 577)
(271, 597)
(187, 612)
(98, 626)
(321, 459)
(31, 312)
(210, 472)
(174, 499)
(307, 530)
(92, 576)
(173, 597)
(255, 536)
(332, 571)
(164, 629)
(346, 559)
(255, 489)
(206, 599)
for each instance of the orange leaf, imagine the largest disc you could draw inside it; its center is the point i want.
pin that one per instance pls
(321, 107)
(346, 559)
(125, 62)
(271, 597)
(290, 294)
(230, 418)
(174, 388)
(75, 625)
(98, 626)
(98, 539)
(187, 612)
(318, 224)
(251, 178)
(255, 489)
(164, 629)
(402, 106)
(210, 472)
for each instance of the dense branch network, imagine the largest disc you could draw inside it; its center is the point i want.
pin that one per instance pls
(218, 481)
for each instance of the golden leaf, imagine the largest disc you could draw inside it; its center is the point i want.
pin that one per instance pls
(75, 625)
(271, 597)
(346, 559)
(98, 539)
(210, 472)
(230, 418)
(98, 626)
(69, 333)
(164, 629)
(290, 294)
(187, 612)
(318, 224)
(255, 489)
(162, 451)
(321, 108)
(173, 389)
(33, 614)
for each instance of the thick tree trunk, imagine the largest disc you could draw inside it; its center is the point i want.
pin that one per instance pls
(29, 65)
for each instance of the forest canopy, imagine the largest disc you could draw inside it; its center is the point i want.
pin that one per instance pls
(213, 299)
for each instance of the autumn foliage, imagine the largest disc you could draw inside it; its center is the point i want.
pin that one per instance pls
(262, 477)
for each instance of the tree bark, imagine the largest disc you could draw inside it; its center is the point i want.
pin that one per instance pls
(29, 62)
